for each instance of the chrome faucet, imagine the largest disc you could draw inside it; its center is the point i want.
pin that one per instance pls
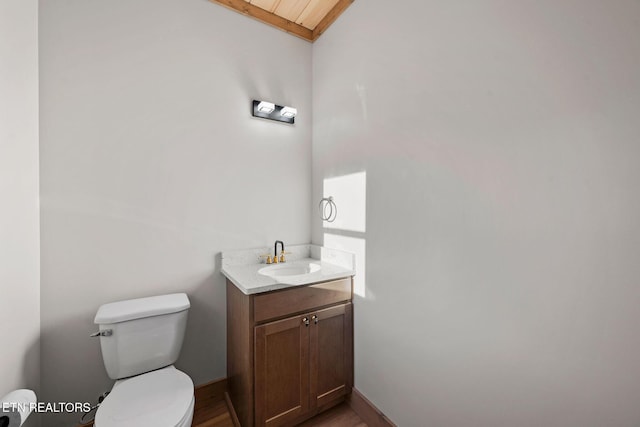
(275, 252)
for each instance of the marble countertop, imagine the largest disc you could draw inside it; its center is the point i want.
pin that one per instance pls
(241, 267)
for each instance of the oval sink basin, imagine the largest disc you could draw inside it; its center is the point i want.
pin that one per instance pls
(284, 270)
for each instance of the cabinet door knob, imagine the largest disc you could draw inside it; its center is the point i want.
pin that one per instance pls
(315, 319)
(306, 321)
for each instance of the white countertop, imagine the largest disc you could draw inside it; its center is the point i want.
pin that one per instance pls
(241, 268)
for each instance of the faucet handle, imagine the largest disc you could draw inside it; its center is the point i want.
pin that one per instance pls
(268, 257)
(282, 258)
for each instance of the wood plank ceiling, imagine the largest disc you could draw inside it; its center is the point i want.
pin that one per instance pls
(307, 19)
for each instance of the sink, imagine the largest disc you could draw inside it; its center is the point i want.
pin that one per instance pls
(289, 270)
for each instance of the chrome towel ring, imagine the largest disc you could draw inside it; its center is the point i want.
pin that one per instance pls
(328, 209)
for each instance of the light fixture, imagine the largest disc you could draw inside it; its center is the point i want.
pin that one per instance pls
(266, 107)
(289, 112)
(271, 111)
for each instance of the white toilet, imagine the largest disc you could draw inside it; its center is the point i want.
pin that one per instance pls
(140, 340)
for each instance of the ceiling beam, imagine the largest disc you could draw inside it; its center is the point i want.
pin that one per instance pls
(268, 18)
(333, 14)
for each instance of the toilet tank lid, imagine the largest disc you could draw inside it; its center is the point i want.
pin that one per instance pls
(139, 308)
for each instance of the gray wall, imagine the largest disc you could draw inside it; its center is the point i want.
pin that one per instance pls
(19, 229)
(151, 165)
(500, 142)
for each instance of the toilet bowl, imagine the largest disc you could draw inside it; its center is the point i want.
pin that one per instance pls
(140, 340)
(162, 398)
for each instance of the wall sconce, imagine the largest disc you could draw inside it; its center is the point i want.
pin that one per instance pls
(271, 111)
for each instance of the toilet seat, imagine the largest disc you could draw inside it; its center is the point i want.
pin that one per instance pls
(162, 398)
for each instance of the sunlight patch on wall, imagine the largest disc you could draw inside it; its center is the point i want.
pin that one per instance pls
(356, 246)
(349, 193)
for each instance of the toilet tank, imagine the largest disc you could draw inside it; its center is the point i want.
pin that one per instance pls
(145, 333)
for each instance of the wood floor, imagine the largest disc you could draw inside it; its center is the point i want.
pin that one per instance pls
(213, 414)
(340, 416)
(216, 414)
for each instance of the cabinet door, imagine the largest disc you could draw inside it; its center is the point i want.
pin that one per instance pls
(331, 354)
(281, 371)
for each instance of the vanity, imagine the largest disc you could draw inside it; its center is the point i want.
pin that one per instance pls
(289, 334)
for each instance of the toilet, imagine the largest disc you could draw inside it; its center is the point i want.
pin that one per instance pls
(140, 340)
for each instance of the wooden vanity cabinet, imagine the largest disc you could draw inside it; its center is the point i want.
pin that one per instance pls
(289, 352)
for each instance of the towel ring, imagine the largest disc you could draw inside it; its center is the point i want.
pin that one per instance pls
(328, 209)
